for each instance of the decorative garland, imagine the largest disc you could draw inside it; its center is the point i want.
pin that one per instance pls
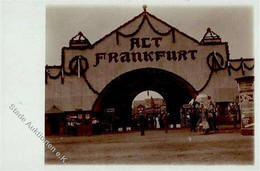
(139, 28)
(216, 58)
(73, 65)
(131, 34)
(207, 82)
(47, 72)
(73, 69)
(218, 65)
(54, 77)
(241, 66)
(162, 34)
(90, 86)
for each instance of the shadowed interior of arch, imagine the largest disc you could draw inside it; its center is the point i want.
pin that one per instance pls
(120, 93)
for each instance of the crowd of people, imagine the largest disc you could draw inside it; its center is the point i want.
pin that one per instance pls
(233, 109)
(153, 122)
(199, 115)
(203, 116)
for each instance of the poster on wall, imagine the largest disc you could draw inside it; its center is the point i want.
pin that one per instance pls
(246, 100)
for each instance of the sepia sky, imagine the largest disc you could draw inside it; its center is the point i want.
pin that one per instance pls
(234, 24)
(147, 95)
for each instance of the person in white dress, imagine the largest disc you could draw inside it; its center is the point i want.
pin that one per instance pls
(157, 123)
(204, 118)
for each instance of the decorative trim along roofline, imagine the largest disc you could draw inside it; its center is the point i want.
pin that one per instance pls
(217, 66)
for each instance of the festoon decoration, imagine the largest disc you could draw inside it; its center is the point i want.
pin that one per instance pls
(79, 65)
(145, 18)
(216, 63)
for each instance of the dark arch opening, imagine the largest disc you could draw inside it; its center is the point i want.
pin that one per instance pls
(120, 92)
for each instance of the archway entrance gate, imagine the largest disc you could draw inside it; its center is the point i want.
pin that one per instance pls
(120, 93)
(144, 53)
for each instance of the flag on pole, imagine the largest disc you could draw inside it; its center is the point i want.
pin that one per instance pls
(79, 67)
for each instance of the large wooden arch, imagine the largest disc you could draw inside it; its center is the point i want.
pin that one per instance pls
(143, 42)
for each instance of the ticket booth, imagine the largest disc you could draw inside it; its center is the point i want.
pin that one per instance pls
(54, 121)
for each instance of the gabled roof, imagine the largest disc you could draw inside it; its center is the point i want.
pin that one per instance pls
(145, 16)
(80, 41)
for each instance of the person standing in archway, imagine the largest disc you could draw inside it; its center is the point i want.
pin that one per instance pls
(157, 123)
(154, 122)
(195, 115)
(234, 114)
(142, 123)
(165, 122)
(204, 118)
(193, 121)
